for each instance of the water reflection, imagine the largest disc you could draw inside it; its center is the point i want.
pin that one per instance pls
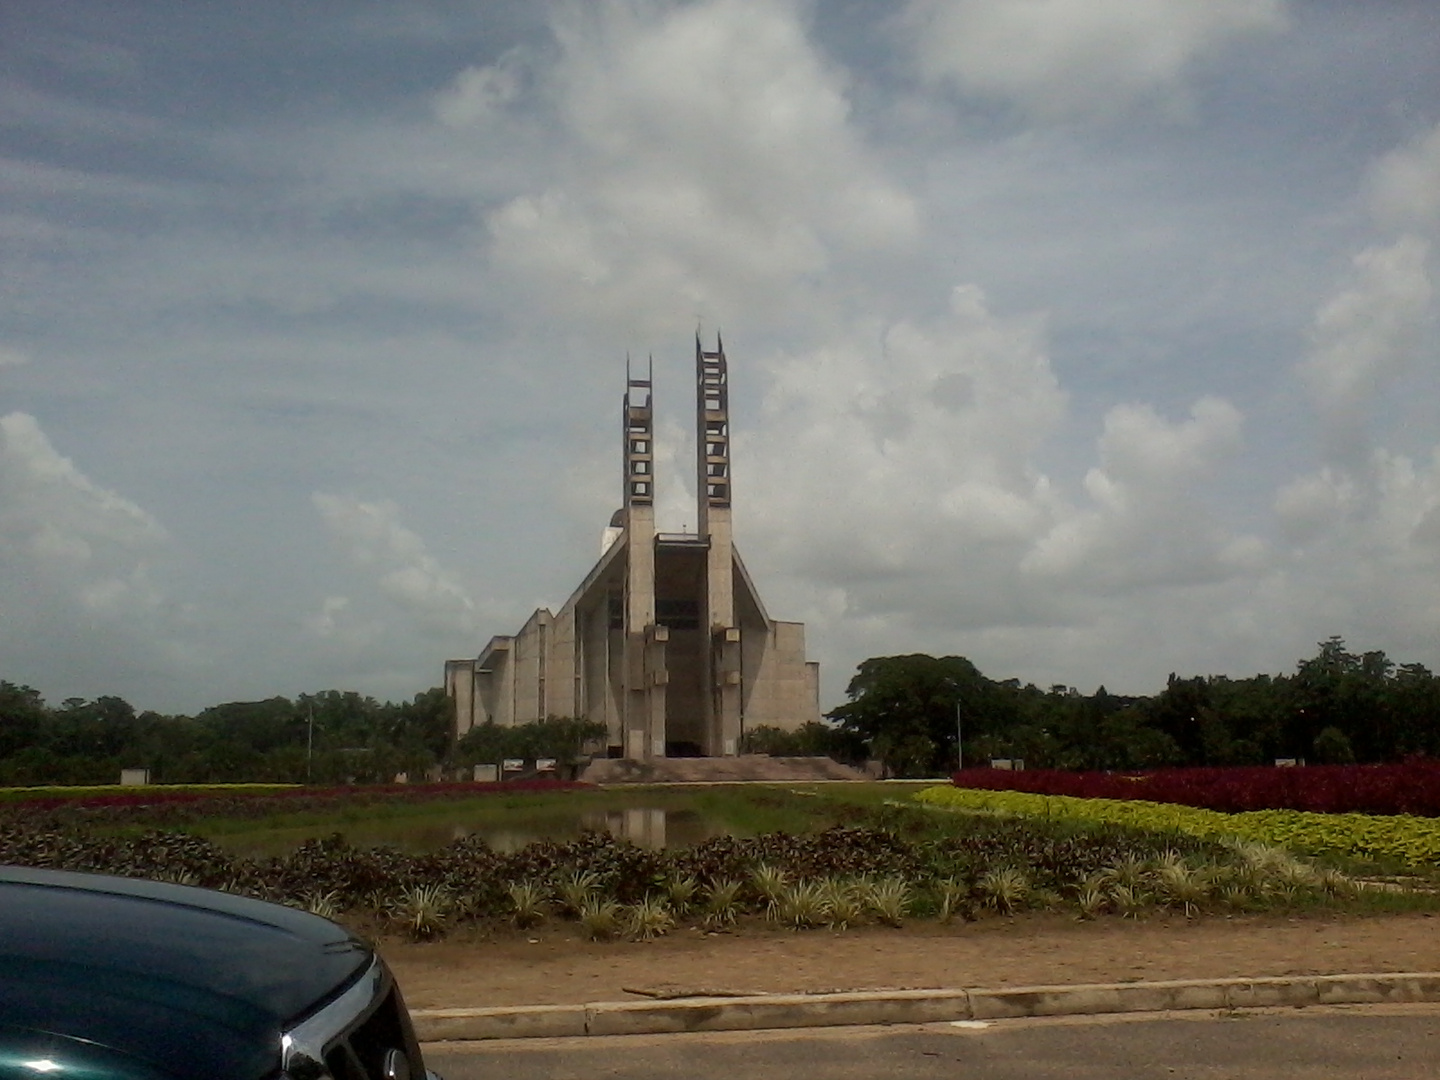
(646, 827)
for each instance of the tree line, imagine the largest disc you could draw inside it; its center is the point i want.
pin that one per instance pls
(907, 711)
(1337, 707)
(330, 737)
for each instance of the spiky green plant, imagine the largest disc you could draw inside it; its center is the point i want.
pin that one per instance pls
(424, 910)
(1183, 887)
(951, 895)
(682, 891)
(801, 905)
(1129, 871)
(650, 918)
(1005, 888)
(575, 889)
(1333, 883)
(1294, 874)
(175, 877)
(889, 899)
(1091, 896)
(844, 902)
(324, 904)
(769, 883)
(527, 903)
(1233, 895)
(1130, 901)
(599, 918)
(722, 903)
(1168, 860)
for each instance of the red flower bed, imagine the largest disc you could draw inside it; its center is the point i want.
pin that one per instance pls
(1409, 788)
(284, 798)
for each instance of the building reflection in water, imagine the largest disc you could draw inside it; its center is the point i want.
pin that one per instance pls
(641, 826)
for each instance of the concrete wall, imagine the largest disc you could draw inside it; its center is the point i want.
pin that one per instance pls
(786, 690)
(562, 665)
(460, 688)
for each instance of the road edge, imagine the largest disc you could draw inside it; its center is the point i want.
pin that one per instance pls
(917, 1006)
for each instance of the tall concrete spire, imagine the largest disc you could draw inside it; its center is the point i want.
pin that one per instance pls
(644, 673)
(722, 663)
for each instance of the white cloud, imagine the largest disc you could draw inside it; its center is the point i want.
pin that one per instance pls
(1068, 58)
(1405, 184)
(477, 93)
(1147, 526)
(709, 168)
(54, 516)
(80, 603)
(895, 499)
(1407, 519)
(12, 357)
(1364, 336)
(1311, 504)
(405, 572)
(337, 623)
(883, 461)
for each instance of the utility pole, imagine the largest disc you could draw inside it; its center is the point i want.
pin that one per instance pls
(309, 742)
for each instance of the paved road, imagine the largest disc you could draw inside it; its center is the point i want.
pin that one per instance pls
(1353, 1043)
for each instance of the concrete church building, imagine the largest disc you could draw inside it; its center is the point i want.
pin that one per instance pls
(666, 640)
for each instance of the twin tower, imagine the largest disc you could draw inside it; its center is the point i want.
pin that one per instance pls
(666, 640)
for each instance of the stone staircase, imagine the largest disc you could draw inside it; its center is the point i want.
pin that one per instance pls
(721, 770)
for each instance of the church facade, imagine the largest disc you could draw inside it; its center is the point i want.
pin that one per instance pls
(666, 640)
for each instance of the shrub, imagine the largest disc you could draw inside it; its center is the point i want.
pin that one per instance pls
(1411, 841)
(424, 909)
(722, 904)
(650, 918)
(527, 902)
(889, 899)
(1005, 889)
(599, 918)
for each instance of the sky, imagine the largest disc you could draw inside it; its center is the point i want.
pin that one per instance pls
(1093, 340)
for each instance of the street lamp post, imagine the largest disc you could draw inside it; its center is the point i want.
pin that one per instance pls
(959, 737)
(959, 726)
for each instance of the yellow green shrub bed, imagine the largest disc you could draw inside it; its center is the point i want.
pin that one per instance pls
(1413, 841)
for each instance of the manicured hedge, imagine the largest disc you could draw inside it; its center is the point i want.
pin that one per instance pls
(1409, 788)
(1413, 841)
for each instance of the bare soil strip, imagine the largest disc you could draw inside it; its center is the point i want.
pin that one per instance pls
(554, 966)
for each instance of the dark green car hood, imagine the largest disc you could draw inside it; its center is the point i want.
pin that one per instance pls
(189, 982)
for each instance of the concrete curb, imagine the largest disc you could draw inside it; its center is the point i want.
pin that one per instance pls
(915, 1006)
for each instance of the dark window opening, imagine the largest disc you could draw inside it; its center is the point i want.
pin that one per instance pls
(678, 614)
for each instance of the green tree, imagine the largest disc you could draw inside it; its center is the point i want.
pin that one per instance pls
(22, 717)
(903, 710)
(1332, 747)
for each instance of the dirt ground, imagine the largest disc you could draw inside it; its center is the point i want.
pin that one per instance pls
(553, 965)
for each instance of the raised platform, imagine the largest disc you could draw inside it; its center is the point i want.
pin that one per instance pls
(718, 770)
